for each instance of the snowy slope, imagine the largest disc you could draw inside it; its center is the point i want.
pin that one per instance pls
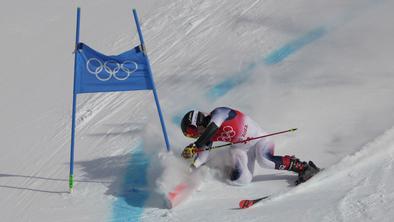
(322, 66)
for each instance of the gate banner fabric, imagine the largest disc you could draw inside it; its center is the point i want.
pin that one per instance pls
(97, 72)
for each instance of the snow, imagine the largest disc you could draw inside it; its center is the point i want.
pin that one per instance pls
(335, 86)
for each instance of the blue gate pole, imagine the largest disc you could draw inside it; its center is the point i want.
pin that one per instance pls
(71, 178)
(163, 126)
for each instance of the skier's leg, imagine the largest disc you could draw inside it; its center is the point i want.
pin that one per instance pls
(240, 173)
(266, 158)
(265, 154)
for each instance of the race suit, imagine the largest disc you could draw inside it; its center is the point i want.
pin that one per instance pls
(229, 125)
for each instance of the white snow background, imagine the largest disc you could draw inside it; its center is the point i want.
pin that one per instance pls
(324, 67)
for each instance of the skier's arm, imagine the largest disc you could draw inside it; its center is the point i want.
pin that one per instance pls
(207, 135)
(219, 115)
(202, 157)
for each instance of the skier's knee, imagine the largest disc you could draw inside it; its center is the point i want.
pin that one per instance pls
(239, 178)
(235, 174)
(266, 163)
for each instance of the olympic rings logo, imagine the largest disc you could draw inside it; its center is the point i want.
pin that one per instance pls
(227, 134)
(105, 71)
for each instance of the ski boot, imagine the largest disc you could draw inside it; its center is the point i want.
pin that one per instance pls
(305, 170)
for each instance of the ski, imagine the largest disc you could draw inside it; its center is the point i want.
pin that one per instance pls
(248, 203)
(313, 170)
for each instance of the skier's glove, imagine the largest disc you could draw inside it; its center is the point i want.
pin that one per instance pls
(189, 151)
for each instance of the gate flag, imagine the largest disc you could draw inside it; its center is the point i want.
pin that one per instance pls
(95, 72)
(100, 73)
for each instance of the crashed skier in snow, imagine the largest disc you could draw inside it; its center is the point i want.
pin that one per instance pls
(229, 125)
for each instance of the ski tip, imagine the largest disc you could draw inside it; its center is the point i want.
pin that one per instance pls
(243, 204)
(177, 195)
(248, 203)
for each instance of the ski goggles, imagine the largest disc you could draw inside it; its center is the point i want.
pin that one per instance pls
(192, 131)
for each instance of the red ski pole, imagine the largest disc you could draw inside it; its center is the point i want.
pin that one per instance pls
(247, 140)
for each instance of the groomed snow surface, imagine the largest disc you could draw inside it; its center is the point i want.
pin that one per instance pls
(324, 67)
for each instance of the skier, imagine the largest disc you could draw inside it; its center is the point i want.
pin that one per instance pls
(229, 125)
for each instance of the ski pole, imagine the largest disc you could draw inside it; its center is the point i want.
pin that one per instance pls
(246, 140)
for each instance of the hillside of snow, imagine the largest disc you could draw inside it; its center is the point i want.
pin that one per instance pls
(324, 67)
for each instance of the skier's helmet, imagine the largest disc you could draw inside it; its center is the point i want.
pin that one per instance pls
(190, 123)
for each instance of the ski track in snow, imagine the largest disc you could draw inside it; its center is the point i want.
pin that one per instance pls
(374, 192)
(367, 178)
